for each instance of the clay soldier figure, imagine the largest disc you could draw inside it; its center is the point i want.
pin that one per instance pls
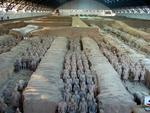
(89, 79)
(126, 71)
(119, 68)
(62, 107)
(33, 65)
(82, 93)
(7, 93)
(83, 86)
(66, 96)
(92, 88)
(76, 87)
(65, 77)
(92, 106)
(90, 97)
(3, 106)
(20, 63)
(15, 99)
(76, 97)
(82, 77)
(83, 108)
(23, 63)
(16, 66)
(21, 85)
(114, 60)
(73, 74)
(79, 64)
(26, 57)
(68, 87)
(72, 106)
(132, 71)
(67, 66)
(68, 81)
(138, 72)
(143, 72)
(29, 62)
(75, 80)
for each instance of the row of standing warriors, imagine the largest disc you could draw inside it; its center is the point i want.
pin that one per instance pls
(11, 98)
(128, 38)
(79, 90)
(31, 57)
(126, 68)
(6, 43)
